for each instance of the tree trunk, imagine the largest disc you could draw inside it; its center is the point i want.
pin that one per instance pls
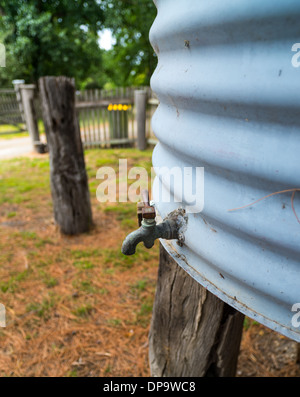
(69, 184)
(193, 333)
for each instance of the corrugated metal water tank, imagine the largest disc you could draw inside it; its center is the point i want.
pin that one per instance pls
(230, 102)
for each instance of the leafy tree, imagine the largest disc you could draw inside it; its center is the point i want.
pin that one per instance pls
(132, 60)
(60, 37)
(50, 37)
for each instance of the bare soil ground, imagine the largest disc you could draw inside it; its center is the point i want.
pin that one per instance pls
(75, 306)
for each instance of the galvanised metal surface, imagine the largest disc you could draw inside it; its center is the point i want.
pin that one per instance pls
(230, 102)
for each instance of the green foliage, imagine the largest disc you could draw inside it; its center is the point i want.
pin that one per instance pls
(60, 37)
(132, 60)
(53, 37)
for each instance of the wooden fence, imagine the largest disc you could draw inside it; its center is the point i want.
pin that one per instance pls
(106, 117)
(10, 112)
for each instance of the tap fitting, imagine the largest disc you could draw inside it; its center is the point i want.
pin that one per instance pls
(171, 227)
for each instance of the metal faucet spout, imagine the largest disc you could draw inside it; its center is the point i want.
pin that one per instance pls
(144, 233)
(149, 231)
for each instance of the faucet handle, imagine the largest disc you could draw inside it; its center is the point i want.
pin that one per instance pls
(144, 209)
(140, 206)
(148, 212)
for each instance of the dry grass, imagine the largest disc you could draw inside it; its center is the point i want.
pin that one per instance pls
(265, 353)
(75, 305)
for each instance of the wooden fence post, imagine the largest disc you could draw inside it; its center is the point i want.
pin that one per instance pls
(69, 184)
(16, 84)
(140, 100)
(193, 333)
(27, 94)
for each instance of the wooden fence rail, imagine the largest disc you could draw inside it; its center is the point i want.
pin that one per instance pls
(10, 114)
(106, 117)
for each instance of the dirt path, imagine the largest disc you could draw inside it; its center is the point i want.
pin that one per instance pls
(10, 148)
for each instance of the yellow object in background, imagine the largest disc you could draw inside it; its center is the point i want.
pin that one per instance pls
(119, 106)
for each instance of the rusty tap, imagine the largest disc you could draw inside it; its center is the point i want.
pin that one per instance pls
(149, 231)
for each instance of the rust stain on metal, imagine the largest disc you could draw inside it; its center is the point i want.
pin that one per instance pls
(187, 43)
(156, 48)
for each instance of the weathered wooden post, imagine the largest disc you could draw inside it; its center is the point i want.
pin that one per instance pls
(193, 333)
(69, 184)
(28, 92)
(16, 84)
(140, 100)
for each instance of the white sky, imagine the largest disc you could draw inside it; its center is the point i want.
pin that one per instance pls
(105, 39)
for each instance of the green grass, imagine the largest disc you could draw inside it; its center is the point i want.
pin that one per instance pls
(17, 186)
(50, 282)
(13, 283)
(42, 309)
(14, 135)
(142, 316)
(23, 180)
(114, 322)
(139, 286)
(11, 214)
(72, 373)
(248, 322)
(115, 258)
(85, 253)
(28, 235)
(84, 264)
(9, 131)
(43, 241)
(126, 213)
(83, 311)
(88, 287)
